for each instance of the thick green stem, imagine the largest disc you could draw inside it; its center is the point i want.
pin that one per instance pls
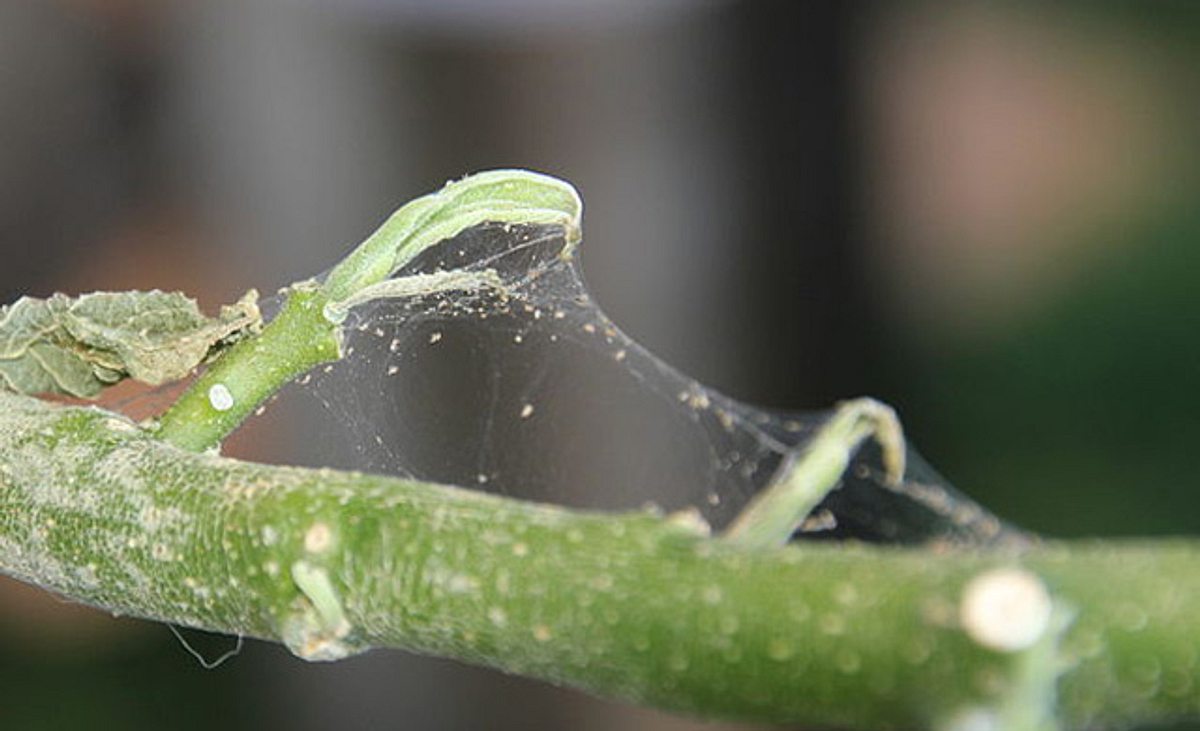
(633, 606)
(299, 338)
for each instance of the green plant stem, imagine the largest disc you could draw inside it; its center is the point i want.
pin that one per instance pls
(306, 333)
(299, 338)
(633, 606)
(808, 476)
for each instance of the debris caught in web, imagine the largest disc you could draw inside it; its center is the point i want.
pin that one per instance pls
(517, 383)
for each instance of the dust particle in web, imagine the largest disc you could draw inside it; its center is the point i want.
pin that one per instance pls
(822, 520)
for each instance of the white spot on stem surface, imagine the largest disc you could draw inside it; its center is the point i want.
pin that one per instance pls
(318, 538)
(1005, 609)
(219, 397)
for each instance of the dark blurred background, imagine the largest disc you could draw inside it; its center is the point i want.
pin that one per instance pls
(985, 213)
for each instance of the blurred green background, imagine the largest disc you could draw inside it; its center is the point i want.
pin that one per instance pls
(985, 213)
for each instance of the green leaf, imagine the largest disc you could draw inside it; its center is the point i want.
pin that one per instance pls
(79, 345)
(497, 196)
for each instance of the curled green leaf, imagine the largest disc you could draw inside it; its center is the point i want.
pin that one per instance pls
(498, 196)
(79, 345)
(307, 330)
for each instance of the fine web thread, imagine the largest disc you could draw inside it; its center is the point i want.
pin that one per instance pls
(528, 389)
(524, 387)
(204, 663)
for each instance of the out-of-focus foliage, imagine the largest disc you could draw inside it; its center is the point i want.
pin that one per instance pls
(1082, 420)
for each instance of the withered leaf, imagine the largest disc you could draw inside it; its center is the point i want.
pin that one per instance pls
(79, 345)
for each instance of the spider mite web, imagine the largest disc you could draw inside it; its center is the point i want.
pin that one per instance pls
(525, 388)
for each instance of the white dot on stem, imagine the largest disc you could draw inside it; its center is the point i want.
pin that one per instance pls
(220, 397)
(1006, 609)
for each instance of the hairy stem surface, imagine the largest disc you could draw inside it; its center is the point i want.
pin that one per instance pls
(634, 606)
